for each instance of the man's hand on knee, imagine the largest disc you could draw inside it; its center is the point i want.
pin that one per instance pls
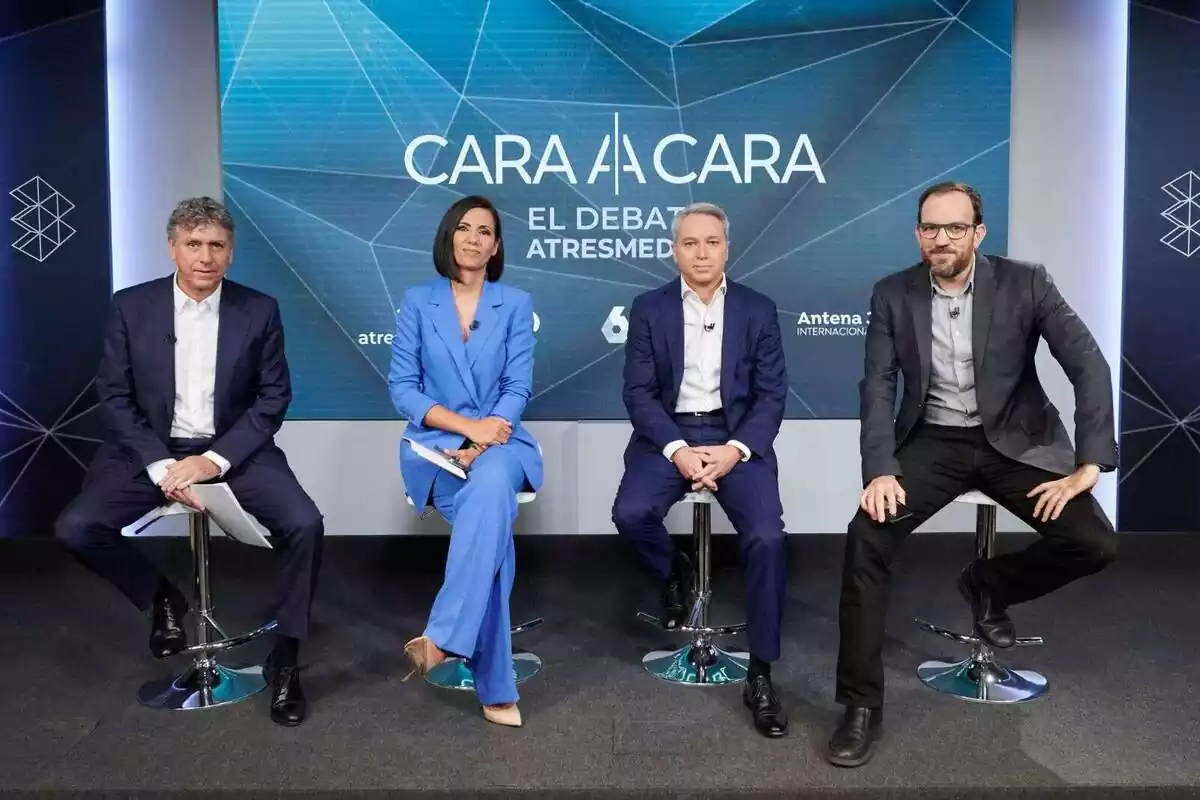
(687, 460)
(185, 496)
(881, 496)
(191, 470)
(718, 461)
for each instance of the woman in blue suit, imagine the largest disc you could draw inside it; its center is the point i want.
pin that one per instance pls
(462, 370)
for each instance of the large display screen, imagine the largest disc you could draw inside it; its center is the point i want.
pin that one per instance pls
(349, 126)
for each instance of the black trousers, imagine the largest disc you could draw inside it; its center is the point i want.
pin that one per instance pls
(940, 463)
(265, 486)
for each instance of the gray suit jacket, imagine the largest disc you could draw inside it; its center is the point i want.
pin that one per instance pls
(1015, 303)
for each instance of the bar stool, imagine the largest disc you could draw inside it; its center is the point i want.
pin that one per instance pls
(206, 683)
(700, 662)
(455, 673)
(980, 677)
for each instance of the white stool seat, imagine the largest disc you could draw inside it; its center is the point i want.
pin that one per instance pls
(702, 496)
(975, 498)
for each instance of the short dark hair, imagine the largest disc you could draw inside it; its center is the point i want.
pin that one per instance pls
(193, 212)
(443, 240)
(951, 186)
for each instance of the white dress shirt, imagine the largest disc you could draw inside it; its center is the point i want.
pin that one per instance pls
(703, 329)
(196, 326)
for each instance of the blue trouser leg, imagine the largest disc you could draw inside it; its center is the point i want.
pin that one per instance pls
(470, 614)
(492, 662)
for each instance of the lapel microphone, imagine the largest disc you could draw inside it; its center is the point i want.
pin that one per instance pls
(954, 313)
(474, 325)
(170, 338)
(710, 327)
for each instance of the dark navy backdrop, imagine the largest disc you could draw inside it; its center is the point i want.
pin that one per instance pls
(55, 273)
(1160, 408)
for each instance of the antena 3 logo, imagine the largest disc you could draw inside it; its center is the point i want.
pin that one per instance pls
(759, 153)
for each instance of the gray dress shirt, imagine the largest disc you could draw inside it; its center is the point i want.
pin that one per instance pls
(951, 397)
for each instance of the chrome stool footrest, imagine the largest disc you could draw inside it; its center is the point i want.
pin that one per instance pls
(721, 630)
(205, 683)
(979, 677)
(455, 673)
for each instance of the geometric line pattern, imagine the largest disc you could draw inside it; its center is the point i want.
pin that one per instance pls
(391, 76)
(41, 217)
(12, 415)
(1184, 214)
(1173, 423)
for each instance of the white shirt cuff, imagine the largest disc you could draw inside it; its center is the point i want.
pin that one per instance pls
(158, 470)
(673, 447)
(745, 450)
(219, 461)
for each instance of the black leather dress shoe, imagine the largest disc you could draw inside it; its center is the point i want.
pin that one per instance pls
(853, 743)
(288, 706)
(674, 600)
(167, 634)
(991, 622)
(759, 696)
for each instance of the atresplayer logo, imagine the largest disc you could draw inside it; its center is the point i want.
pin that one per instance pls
(760, 153)
(616, 326)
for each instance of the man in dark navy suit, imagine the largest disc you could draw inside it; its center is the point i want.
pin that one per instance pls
(193, 385)
(705, 386)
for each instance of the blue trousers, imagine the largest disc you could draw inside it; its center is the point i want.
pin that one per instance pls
(470, 615)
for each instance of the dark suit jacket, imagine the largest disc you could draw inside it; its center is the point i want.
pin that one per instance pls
(136, 381)
(753, 369)
(1015, 303)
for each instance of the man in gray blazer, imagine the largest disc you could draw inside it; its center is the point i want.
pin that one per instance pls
(963, 330)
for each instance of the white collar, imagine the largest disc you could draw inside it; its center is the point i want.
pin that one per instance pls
(684, 289)
(213, 301)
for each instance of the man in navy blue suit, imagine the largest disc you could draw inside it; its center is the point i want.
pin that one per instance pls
(705, 386)
(193, 386)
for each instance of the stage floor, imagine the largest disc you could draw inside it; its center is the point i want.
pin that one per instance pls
(1122, 718)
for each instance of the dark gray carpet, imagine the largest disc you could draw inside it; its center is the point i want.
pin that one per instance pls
(1122, 718)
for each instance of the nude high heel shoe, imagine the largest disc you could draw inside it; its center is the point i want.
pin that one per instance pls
(423, 654)
(507, 714)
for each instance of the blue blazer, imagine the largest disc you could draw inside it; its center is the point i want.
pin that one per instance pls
(753, 369)
(489, 375)
(136, 380)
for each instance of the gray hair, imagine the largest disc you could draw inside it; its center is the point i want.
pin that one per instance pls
(708, 209)
(193, 212)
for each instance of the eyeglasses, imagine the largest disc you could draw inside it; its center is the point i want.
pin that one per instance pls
(955, 230)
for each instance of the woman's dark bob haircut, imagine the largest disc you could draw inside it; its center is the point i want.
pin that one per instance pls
(443, 241)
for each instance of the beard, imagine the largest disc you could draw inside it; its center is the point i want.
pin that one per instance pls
(949, 270)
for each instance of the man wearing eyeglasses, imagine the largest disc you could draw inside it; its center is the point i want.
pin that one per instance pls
(963, 329)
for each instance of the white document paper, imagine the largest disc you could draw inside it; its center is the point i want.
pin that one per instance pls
(224, 509)
(151, 517)
(435, 457)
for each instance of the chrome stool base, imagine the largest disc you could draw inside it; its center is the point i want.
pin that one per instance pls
(699, 662)
(206, 684)
(981, 679)
(697, 665)
(201, 688)
(455, 673)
